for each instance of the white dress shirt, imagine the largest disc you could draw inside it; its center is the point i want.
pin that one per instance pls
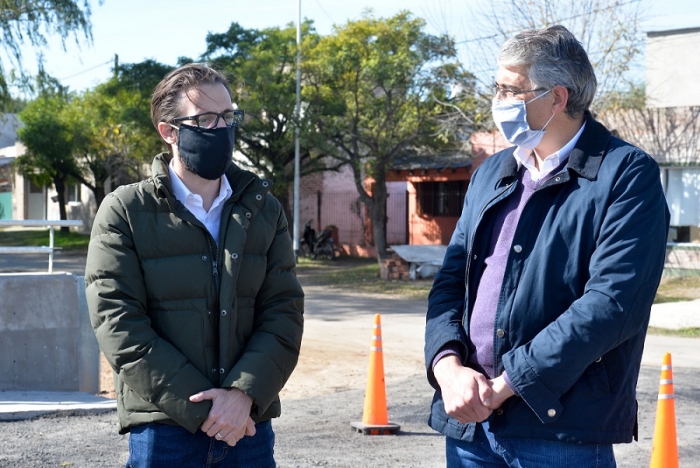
(526, 157)
(193, 202)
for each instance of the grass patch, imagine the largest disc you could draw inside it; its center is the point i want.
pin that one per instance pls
(674, 289)
(682, 332)
(40, 237)
(362, 274)
(359, 275)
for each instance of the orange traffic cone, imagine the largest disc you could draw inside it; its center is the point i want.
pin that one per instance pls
(375, 419)
(664, 449)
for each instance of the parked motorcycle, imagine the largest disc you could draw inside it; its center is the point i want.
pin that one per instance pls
(314, 246)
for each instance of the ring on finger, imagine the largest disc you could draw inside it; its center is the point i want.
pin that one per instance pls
(219, 435)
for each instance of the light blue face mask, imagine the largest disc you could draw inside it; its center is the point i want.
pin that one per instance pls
(511, 119)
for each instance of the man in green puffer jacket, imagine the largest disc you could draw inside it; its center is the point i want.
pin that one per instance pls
(192, 290)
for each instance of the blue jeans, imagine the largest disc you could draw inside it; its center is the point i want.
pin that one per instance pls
(163, 446)
(487, 450)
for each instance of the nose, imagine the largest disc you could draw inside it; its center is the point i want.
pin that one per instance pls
(220, 122)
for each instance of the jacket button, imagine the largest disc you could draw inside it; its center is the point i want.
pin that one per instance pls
(234, 256)
(258, 197)
(599, 359)
(209, 312)
(550, 412)
(265, 183)
(248, 215)
(557, 179)
(204, 258)
(517, 248)
(222, 370)
(499, 411)
(213, 371)
(500, 333)
(474, 257)
(224, 313)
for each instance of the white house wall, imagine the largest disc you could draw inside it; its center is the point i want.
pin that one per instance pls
(683, 195)
(673, 68)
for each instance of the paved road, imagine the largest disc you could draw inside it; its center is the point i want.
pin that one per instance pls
(70, 262)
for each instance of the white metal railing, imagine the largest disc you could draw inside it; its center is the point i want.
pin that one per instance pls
(50, 223)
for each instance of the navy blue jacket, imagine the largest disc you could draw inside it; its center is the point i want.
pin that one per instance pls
(584, 267)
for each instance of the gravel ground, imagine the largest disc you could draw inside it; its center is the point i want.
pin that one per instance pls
(315, 432)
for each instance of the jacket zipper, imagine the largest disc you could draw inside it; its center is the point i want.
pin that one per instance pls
(214, 265)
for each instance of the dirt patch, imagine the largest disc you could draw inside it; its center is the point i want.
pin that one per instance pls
(685, 288)
(334, 357)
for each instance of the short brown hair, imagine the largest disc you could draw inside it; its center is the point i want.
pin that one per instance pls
(165, 103)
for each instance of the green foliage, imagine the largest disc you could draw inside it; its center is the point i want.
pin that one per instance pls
(48, 139)
(99, 136)
(376, 80)
(30, 21)
(114, 121)
(377, 83)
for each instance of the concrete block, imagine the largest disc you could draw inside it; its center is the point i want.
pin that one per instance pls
(43, 337)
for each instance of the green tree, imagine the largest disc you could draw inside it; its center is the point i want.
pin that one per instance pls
(30, 21)
(101, 136)
(49, 146)
(113, 132)
(378, 82)
(263, 63)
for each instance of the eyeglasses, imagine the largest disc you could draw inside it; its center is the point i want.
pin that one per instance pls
(506, 93)
(232, 118)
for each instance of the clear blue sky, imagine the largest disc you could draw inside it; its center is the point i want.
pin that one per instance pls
(164, 30)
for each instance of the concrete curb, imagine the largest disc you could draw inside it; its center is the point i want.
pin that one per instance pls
(16, 405)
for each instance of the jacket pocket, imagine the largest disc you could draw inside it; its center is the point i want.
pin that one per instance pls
(597, 377)
(185, 329)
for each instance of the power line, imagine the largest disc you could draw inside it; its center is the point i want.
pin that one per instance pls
(87, 70)
(325, 12)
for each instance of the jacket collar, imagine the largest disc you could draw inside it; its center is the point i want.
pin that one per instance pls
(586, 157)
(239, 179)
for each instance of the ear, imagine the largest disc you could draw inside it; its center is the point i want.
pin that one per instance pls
(561, 98)
(167, 133)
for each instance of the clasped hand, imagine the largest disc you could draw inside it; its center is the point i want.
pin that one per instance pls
(468, 395)
(229, 418)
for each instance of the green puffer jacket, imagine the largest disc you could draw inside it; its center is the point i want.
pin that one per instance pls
(152, 276)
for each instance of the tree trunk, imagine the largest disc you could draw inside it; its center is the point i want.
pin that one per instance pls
(60, 184)
(377, 211)
(282, 194)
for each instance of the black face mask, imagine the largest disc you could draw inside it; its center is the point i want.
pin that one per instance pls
(206, 151)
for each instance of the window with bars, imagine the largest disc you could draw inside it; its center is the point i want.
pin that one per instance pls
(441, 198)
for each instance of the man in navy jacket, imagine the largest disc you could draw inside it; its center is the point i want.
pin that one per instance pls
(537, 319)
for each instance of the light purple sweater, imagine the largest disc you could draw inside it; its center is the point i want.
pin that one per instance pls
(483, 317)
(482, 322)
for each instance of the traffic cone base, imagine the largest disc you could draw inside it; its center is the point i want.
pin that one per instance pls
(375, 429)
(375, 418)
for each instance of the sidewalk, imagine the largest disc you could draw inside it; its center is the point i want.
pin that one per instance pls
(346, 306)
(27, 404)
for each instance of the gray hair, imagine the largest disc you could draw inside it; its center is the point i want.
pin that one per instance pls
(553, 57)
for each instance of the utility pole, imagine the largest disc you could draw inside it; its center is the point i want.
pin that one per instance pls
(297, 133)
(116, 65)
